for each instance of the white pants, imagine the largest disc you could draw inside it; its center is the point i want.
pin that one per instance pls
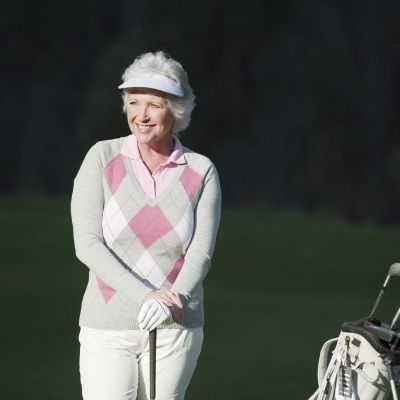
(114, 365)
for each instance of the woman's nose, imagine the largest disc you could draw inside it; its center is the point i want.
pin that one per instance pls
(142, 114)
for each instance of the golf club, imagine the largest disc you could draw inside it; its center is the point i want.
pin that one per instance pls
(392, 382)
(152, 362)
(395, 319)
(394, 270)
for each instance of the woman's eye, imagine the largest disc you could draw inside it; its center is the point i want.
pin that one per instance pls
(154, 105)
(132, 102)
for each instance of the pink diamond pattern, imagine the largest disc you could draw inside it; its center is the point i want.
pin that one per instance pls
(176, 269)
(150, 224)
(106, 291)
(191, 181)
(115, 172)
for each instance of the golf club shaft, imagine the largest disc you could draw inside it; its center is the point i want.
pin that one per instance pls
(394, 270)
(392, 382)
(378, 300)
(152, 363)
(395, 319)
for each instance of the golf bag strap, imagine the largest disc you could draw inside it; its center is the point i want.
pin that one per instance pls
(323, 359)
(326, 390)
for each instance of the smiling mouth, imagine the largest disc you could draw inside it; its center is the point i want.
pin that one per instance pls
(144, 126)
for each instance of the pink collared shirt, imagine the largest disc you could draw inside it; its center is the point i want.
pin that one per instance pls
(153, 184)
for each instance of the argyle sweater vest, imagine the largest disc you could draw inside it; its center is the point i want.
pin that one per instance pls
(147, 238)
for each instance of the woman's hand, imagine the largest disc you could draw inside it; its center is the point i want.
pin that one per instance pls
(153, 313)
(160, 306)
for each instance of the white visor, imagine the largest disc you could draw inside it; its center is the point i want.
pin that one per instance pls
(158, 82)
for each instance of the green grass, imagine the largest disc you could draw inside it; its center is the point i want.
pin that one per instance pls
(280, 285)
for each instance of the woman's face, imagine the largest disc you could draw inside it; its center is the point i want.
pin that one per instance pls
(149, 117)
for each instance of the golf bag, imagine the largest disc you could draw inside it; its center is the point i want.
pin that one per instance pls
(365, 362)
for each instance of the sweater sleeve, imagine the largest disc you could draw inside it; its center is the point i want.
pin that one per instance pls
(200, 251)
(87, 205)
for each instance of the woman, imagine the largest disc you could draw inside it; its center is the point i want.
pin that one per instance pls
(145, 213)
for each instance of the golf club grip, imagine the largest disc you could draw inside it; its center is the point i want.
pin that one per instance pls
(152, 362)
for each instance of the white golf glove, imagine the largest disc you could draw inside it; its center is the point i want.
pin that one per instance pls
(153, 313)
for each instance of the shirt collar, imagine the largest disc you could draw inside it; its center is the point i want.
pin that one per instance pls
(177, 156)
(130, 149)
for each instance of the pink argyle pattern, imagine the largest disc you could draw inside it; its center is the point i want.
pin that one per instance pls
(177, 268)
(160, 240)
(114, 173)
(149, 225)
(154, 236)
(106, 291)
(191, 181)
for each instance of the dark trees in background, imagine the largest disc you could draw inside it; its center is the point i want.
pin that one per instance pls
(297, 102)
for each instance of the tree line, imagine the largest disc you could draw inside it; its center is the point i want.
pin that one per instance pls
(297, 101)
